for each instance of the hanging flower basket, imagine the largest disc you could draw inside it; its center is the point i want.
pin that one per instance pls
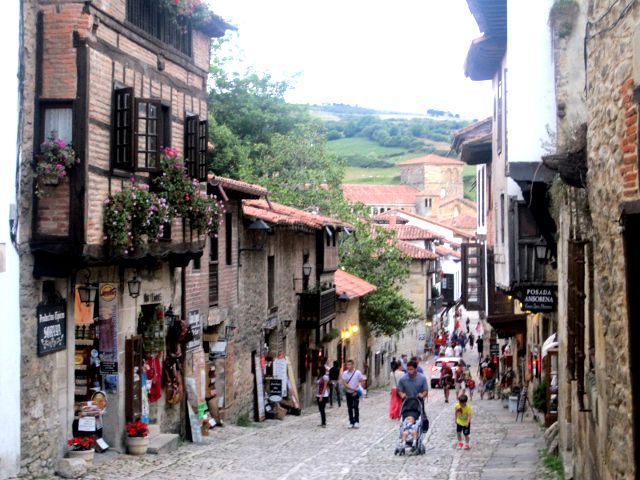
(49, 179)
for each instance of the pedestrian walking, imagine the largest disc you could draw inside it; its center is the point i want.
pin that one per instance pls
(457, 351)
(351, 381)
(463, 421)
(480, 344)
(481, 387)
(403, 363)
(471, 340)
(395, 402)
(322, 394)
(458, 376)
(446, 380)
(334, 383)
(471, 386)
(449, 351)
(413, 384)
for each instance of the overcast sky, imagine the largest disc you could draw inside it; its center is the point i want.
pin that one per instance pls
(403, 55)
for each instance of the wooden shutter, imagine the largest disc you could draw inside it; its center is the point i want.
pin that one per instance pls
(203, 142)
(191, 145)
(122, 129)
(133, 374)
(473, 276)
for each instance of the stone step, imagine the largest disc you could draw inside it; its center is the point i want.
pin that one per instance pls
(163, 443)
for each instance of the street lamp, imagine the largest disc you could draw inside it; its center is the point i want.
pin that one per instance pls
(87, 292)
(306, 269)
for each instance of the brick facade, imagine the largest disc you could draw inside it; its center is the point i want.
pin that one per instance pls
(86, 51)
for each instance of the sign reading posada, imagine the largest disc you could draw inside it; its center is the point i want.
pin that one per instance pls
(540, 298)
(52, 328)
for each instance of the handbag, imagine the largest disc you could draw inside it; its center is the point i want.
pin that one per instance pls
(360, 392)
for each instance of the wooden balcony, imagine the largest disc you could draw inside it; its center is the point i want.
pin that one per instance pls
(316, 308)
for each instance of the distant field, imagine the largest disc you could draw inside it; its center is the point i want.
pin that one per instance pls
(361, 146)
(382, 176)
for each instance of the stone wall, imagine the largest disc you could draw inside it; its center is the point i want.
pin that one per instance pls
(612, 147)
(415, 287)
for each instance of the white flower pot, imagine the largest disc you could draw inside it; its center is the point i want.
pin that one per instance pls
(86, 455)
(137, 445)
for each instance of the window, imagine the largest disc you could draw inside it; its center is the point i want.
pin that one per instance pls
(228, 237)
(58, 123)
(195, 147)
(271, 280)
(122, 141)
(213, 271)
(195, 264)
(427, 202)
(152, 19)
(147, 139)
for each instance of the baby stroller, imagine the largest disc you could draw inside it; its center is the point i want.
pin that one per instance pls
(415, 408)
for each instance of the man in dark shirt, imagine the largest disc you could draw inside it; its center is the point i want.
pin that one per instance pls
(334, 384)
(413, 384)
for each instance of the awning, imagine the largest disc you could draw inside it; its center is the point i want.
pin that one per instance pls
(549, 344)
(510, 324)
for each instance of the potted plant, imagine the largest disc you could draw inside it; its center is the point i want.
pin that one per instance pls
(54, 161)
(137, 437)
(81, 447)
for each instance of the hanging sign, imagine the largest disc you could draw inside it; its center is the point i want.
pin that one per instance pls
(52, 328)
(539, 299)
(194, 323)
(108, 328)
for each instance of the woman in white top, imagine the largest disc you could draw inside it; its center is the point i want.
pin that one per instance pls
(395, 401)
(322, 394)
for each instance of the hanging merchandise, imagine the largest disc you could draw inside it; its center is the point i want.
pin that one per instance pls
(153, 368)
(173, 377)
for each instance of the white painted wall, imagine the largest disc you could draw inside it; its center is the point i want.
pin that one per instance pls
(9, 275)
(530, 80)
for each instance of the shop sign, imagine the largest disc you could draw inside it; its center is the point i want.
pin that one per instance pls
(52, 328)
(494, 348)
(194, 324)
(280, 372)
(539, 299)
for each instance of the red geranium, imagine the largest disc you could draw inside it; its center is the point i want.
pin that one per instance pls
(81, 443)
(137, 429)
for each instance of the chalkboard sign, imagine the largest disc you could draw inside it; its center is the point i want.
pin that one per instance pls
(522, 400)
(52, 328)
(494, 349)
(275, 387)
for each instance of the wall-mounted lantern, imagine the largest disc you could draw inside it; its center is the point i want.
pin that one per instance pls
(343, 303)
(541, 249)
(134, 287)
(87, 292)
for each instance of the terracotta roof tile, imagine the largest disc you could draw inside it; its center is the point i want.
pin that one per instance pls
(411, 232)
(416, 252)
(278, 214)
(353, 286)
(464, 201)
(431, 159)
(385, 217)
(462, 221)
(441, 223)
(380, 194)
(237, 185)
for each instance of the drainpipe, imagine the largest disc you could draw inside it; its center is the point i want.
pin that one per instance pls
(184, 412)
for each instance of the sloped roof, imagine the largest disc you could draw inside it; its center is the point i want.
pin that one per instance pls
(278, 214)
(416, 252)
(464, 201)
(441, 250)
(353, 286)
(431, 159)
(384, 217)
(380, 194)
(455, 230)
(462, 221)
(411, 232)
(237, 185)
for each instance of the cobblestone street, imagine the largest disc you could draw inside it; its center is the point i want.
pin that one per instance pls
(297, 448)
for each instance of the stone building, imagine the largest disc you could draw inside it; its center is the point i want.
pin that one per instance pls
(440, 176)
(596, 198)
(117, 85)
